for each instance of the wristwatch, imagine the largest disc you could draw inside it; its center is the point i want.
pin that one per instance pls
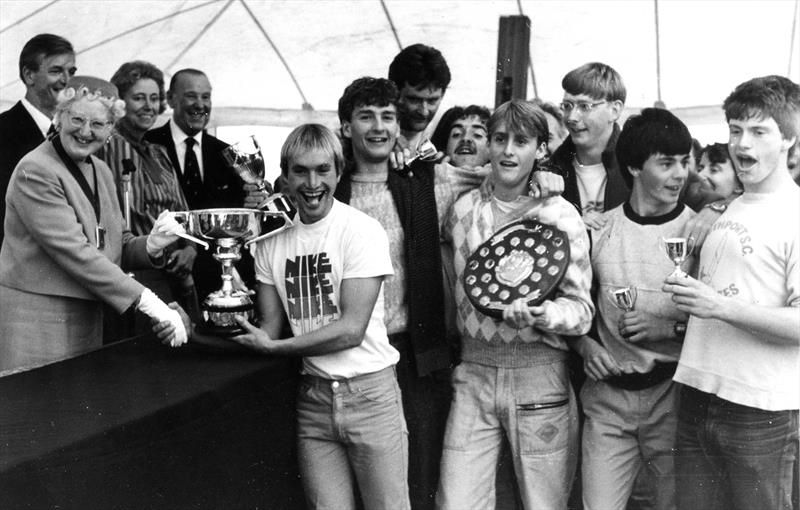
(719, 206)
(679, 329)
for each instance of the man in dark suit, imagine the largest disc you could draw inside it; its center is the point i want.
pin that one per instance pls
(46, 63)
(206, 179)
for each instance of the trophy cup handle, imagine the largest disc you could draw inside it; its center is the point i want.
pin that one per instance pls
(691, 243)
(287, 223)
(195, 240)
(182, 217)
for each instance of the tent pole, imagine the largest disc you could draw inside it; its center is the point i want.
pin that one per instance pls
(34, 13)
(306, 104)
(530, 59)
(116, 36)
(791, 39)
(659, 102)
(144, 25)
(391, 25)
(198, 36)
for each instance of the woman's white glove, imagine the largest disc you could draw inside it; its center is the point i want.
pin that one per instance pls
(153, 307)
(164, 232)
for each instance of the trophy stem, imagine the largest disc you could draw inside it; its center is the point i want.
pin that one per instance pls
(227, 283)
(228, 229)
(678, 271)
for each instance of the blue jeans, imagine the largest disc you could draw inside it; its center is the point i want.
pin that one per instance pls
(731, 456)
(536, 409)
(353, 431)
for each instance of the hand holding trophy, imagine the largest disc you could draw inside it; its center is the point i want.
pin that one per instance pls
(623, 298)
(426, 151)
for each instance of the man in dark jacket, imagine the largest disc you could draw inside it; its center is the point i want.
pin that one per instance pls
(205, 178)
(46, 63)
(411, 209)
(594, 97)
(421, 75)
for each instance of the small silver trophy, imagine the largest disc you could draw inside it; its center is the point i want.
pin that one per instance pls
(678, 250)
(246, 160)
(426, 151)
(623, 298)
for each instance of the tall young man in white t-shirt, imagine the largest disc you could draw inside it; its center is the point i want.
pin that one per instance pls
(737, 434)
(327, 275)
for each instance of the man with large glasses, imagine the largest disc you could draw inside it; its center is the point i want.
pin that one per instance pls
(594, 97)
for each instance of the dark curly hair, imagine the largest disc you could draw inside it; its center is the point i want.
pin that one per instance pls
(419, 65)
(366, 91)
(442, 132)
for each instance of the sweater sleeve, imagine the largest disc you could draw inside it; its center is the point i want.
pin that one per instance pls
(571, 310)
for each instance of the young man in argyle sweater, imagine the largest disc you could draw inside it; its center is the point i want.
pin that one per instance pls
(513, 377)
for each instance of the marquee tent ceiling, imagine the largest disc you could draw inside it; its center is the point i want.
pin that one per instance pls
(250, 49)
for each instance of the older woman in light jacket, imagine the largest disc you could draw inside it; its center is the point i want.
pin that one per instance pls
(65, 240)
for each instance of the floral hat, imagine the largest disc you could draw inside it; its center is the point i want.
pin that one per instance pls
(94, 89)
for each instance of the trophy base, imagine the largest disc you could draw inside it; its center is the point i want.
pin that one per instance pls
(218, 327)
(209, 328)
(221, 320)
(210, 340)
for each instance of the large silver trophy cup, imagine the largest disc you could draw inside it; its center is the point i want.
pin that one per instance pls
(228, 230)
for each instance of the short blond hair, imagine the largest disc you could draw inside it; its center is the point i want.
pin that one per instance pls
(309, 137)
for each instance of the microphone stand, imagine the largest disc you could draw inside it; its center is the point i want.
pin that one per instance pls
(127, 318)
(127, 169)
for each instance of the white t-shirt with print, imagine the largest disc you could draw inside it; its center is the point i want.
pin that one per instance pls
(307, 265)
(752, 253)
(592, 181)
